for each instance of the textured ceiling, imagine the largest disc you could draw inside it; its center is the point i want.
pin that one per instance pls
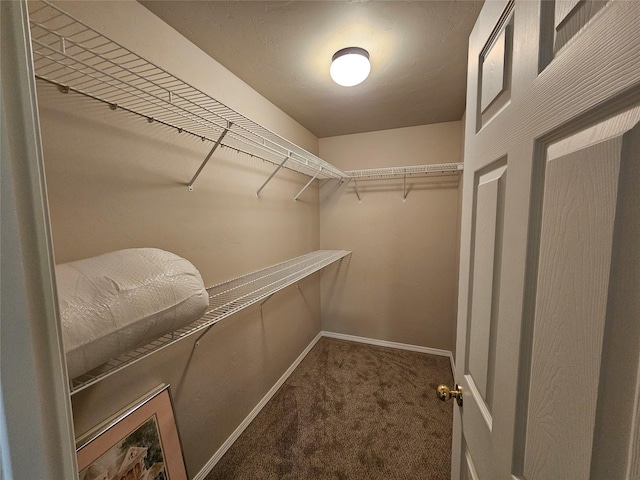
(283, 50)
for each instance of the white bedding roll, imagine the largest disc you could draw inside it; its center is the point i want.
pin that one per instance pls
(121, 300)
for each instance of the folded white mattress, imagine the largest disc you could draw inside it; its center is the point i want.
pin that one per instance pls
(116, 302)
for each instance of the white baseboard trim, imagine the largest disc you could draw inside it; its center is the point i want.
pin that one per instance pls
(245, 423)
(401, 346)
(385, 343)
(340, 336)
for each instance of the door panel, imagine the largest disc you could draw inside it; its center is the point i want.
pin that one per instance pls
(570, 16)
(548, 348)
(494, 69)
(469, 472)
(479, 375)
(617, 414)
(578, 213)
(488, 222)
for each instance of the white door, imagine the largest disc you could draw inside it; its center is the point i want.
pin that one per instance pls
(549, 309)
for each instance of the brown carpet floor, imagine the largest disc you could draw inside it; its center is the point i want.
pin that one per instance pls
(350, 411)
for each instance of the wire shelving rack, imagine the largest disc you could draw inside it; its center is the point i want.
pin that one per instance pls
(75, 57)
(394, 173)
(436, 169)
(225, 299)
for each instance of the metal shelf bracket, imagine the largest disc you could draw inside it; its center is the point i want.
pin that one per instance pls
(196, 344)
(273, 174)
(355, 182)
(213, 149)
(307, 185)
(404, 187)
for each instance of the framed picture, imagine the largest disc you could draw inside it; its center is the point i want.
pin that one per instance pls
(138, 443)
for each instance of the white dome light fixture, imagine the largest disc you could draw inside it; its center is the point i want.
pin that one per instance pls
(350, 66)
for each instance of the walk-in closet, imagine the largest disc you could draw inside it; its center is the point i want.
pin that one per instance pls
(150, 144)
(226, 269)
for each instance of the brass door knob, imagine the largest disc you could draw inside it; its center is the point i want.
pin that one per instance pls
(444, 393)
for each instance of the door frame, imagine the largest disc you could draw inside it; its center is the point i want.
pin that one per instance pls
(36, 423)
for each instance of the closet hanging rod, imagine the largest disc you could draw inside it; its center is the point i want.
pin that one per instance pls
(72, 54)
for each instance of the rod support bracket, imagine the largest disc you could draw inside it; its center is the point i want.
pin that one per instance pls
(308, 183)
(266, 300)
(273, 174)
(213, 149)
(196, 344)
(355, 183)
(404, 187)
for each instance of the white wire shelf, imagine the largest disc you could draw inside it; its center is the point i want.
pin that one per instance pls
(402, 172)
(225, 299)
(77, 58)
(393, 173)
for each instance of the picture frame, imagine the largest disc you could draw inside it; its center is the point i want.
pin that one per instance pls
(140, 442)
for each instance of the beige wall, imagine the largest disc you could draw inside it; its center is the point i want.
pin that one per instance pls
(114, 181)
(401, 281)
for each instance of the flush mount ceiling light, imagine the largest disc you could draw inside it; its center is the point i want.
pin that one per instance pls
(350, 66)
